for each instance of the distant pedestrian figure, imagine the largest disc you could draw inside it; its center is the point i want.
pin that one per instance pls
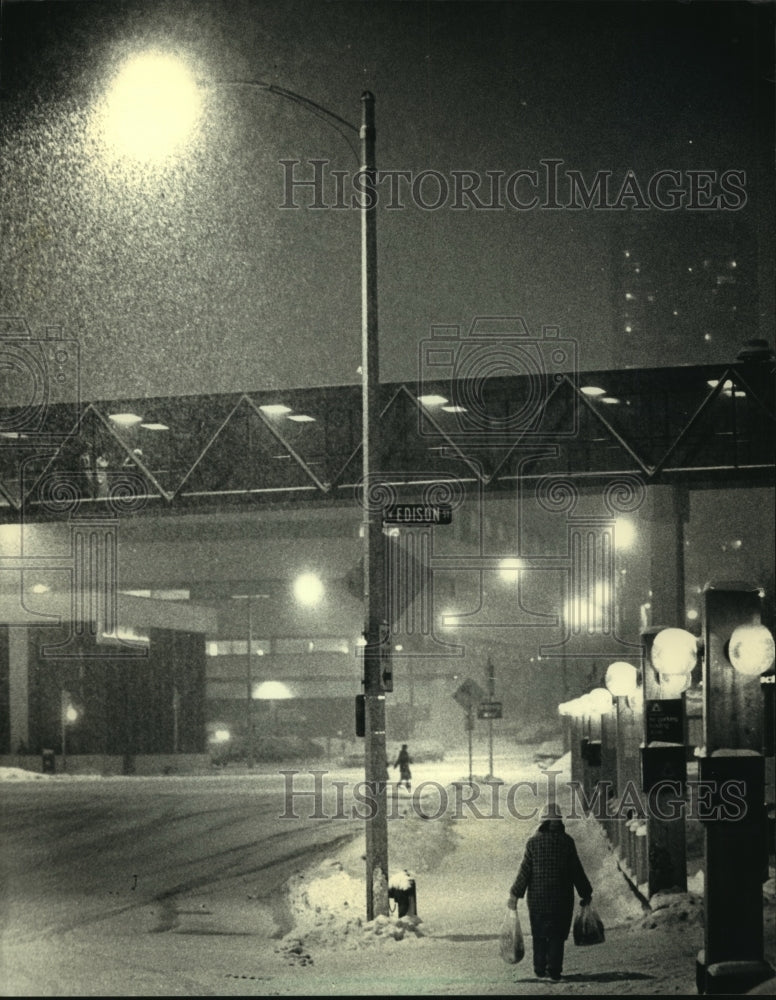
(403, 762)
(549, 872)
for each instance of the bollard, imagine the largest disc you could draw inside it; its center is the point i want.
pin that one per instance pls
(48, 762)
(641, 854)
(630, 850)
(402, 889)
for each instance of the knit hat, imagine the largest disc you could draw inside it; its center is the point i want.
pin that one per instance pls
(551, 811)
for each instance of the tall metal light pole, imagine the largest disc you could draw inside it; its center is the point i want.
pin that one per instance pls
(491, 696)
(127, 121)
(376, 652)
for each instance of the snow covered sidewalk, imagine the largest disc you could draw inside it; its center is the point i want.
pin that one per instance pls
(463, 865)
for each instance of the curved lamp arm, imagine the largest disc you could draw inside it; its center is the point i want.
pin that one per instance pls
(343, 126)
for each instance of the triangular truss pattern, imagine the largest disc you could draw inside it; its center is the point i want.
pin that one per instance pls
(707, 420)
(243, 455)
(92, 463)
(731, 382)
(418, 444)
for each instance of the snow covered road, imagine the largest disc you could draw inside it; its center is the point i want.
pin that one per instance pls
(95, 871)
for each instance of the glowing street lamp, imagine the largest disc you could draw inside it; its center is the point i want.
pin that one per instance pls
(308, 589)
(135, 91)
(509, 568)
(751, 650)
(151, 107)
(600, 701)
(621, 679)
(624, 533)
(674, 654)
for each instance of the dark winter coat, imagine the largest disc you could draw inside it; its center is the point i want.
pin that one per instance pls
(550, 871)
(403, 762)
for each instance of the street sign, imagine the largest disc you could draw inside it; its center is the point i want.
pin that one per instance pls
(664, 720)
(419, 514)
(489, 710)
(469, 694)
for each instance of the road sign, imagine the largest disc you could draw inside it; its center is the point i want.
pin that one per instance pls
(469, 694)
(419, 514)
(489, 710)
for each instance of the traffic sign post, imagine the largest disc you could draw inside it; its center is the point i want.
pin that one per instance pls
(468, 696)
(470, 730)
(490, 710)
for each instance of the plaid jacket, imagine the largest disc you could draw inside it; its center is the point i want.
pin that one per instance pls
(549, 872)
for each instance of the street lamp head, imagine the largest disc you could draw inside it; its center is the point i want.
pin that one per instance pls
(152, 106)
(308, 589)
(621, 679)
(751, 650)
(599, 701)
(674, 651)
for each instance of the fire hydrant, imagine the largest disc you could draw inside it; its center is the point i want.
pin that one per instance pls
(401, 887)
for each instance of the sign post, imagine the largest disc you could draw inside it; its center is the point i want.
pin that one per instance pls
(470, 730)
(491, 695)
(468, 695)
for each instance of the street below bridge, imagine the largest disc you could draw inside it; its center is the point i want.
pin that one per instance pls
(128, 885)
(224, 885)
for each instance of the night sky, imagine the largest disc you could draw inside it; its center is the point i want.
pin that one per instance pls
(187, 275)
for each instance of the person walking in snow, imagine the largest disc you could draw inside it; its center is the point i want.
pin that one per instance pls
(403, 762)
(549, 873)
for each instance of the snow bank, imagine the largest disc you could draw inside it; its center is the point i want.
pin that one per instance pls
(325, 904)
(614, 905)
(20, 774)
(673, 911)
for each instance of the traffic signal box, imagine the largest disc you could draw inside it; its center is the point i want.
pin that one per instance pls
(732, 765)
(360, 715)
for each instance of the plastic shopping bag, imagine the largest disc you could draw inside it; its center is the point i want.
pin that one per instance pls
(588, 927)
(511, 941)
